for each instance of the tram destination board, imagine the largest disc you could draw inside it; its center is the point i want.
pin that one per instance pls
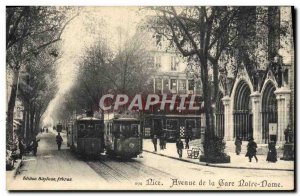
(137, 98)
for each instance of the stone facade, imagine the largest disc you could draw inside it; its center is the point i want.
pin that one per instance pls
(254, 106)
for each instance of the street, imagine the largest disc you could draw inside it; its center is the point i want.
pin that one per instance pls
(54, 170)
(203, 98)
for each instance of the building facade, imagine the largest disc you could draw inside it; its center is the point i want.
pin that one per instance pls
(258, 104)
(261, 104)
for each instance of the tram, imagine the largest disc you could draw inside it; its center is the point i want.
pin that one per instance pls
(86, 136)
(59, 127)
(123, 136)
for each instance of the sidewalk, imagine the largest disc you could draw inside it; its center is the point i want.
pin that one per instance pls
(236, 161)
(53, 169)
(11, 174)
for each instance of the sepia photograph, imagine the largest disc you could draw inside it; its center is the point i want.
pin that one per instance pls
(150, 98)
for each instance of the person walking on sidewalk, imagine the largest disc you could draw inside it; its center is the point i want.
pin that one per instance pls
(154, 141)
(34, 145)
(161, 142)
(164, 135)
(251, 149)
(272, 153)
(187, 140)
(179, 146)
(238, 145)
(59, 141)
(21, 147)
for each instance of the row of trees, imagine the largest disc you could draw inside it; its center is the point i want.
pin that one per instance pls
(103, 70)
(32, 47)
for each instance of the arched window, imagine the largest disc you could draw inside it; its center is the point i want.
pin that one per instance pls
(243, 125)
(269, 110)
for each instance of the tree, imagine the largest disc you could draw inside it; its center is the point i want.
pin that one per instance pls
(36, 89)
(29, 31)
(207, 35)
(103, 71)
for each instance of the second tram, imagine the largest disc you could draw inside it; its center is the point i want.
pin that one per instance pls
(123, 137)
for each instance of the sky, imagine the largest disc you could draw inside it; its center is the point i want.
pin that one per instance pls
(80, 33)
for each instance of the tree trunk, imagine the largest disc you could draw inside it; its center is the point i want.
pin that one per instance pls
(31, 127)
(213, 146)
(216, 81)
(10, 110)
(37, 121)
(23, 123)
(28, 132)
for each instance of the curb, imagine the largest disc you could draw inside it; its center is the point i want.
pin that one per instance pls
(219, 166)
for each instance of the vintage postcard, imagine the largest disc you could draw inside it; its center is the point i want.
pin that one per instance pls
(193, 98)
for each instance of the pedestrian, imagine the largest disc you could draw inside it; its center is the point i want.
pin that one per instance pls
(179, 146)
(272, 153)
(251, 149)
(34, 145)
(41, 130)
(238, 145)
(21, 147)
(286, 135)
(46, 130)
(165, 140)
(154, 141)
(161, 142)
(187, 140)
(59, 141)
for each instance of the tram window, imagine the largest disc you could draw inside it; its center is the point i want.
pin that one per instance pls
(125, 129)
(81, 126)
(129, 130)
(135, 130)
(116, 130)
(98, 127)
(81, 131)
(98, 131)
(90, 131)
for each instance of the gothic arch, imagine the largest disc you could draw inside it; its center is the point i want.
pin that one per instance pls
(268, 108)
(269, 78)
(242, 111)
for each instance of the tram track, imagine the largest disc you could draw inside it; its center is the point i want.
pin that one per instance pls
(116, 170)
(150, 171)
(107, 172)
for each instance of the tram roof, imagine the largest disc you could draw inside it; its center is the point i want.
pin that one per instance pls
(87, 118)
(126, 119)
